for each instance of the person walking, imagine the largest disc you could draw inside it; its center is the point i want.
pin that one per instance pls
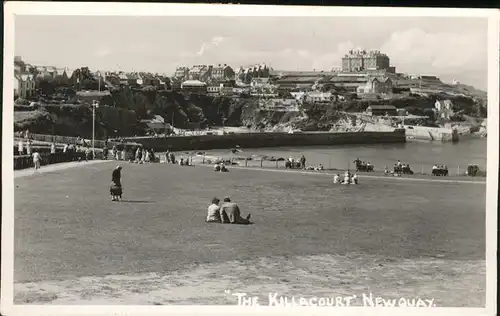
(116, 189)
(37, 160)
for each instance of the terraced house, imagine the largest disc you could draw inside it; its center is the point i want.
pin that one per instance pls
(222, 73)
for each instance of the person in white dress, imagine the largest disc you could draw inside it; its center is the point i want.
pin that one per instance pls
(336, 178)
(28, 147)
(354, 179)
(36, 160)
(347, 178)
(20, 148)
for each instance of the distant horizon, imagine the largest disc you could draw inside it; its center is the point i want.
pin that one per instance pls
(447, 47)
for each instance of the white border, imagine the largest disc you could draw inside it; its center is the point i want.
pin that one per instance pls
(147, 9)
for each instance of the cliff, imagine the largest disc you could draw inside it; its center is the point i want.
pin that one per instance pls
(199, 111)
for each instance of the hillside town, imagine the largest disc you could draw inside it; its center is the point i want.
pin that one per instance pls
(364, 77)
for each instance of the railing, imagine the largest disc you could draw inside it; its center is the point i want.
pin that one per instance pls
(26, 161)
(327, 164)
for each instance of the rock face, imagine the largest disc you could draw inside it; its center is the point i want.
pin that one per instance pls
(200, 111)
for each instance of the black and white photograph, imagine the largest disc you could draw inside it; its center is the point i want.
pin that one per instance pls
(262, 158)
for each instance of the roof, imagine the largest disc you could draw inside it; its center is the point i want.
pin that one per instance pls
(193, 83)
(221, 67)
(380, 79)
(198, 68)
(260, 80)
(381, 107)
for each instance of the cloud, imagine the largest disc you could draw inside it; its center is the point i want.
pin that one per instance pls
(102, 52)
(446, 52)
(215, 42)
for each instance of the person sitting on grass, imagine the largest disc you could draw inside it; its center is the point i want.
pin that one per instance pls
(336, 178)
(354, 179)
(217, 167)
(213, 215)
(230, 213)
(347, 178)
(116, 184)
(223, 167)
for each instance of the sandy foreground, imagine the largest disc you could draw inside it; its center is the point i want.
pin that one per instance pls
(438, 283)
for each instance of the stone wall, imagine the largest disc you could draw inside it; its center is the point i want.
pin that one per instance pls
(258, 140)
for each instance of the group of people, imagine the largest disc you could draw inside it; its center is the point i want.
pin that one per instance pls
(439, 167)
(24, 148)
(118, 154)
(227, 213)
(220, 167)
(143, 155)
(348, 178)
(291, 163)
(362, 165)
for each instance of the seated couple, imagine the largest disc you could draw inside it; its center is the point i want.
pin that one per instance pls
(227, 213)
(220, 167)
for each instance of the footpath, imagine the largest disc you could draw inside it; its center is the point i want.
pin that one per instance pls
(55, 167)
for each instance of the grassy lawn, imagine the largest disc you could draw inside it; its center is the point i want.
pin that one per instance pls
(66, 227)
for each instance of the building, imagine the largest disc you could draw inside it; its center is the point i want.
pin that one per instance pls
(222, 73)
(157, 124)
(181, 72)
(194, 86)
(382, 110)
(376, 85)
(200, 72)
(24, 86)
(220, 89)
(280, 105)
(319, 97)
(19, 65)
(444, 109)
(349, 81)
(402, 112)
(360, 60)
(246, 74)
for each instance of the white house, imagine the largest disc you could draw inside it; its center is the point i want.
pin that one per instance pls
(24, 86)
(444, 109)
(376, 85)
(319, 97)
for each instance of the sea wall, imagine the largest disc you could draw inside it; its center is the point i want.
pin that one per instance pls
(431, 133)
(257, 140)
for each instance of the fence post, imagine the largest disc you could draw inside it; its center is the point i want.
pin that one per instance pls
(276, 163)
(422, 169)
(458, 170)
(246, 162)
(261, 160)
(203, 161)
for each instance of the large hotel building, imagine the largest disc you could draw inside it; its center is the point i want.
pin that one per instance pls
(362, 60)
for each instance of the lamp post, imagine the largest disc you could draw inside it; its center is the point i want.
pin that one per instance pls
(95, 104)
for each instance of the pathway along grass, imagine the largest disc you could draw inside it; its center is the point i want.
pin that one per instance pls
(66, 227)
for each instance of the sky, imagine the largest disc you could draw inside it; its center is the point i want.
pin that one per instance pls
(451, 48)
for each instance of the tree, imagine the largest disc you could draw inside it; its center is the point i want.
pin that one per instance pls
(47, 86)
